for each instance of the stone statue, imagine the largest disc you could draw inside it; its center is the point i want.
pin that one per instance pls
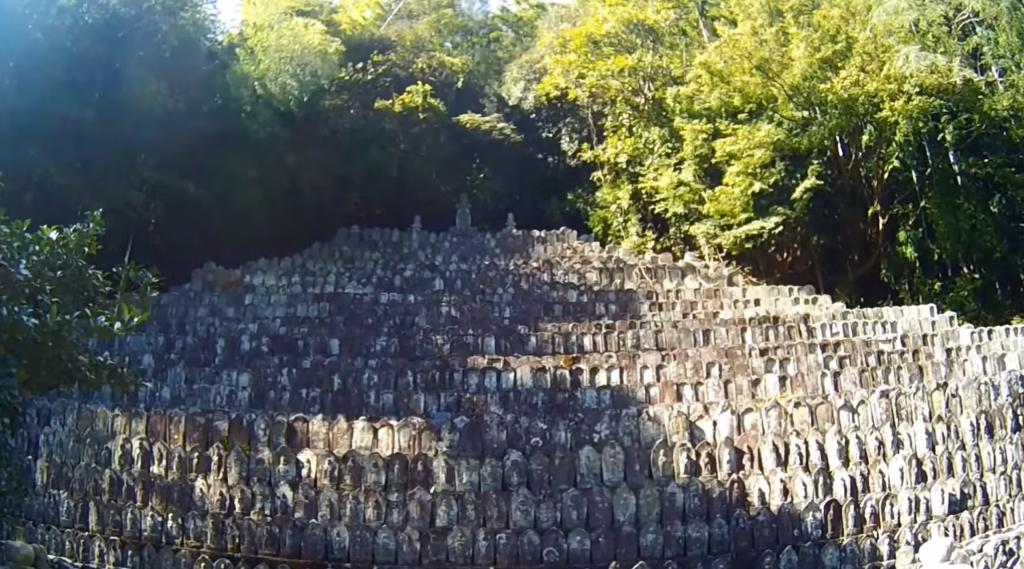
(463, 217)
(630, 396)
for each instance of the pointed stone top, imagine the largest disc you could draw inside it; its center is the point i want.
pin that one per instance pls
(510, 222)
(417, 223)
(463, 218)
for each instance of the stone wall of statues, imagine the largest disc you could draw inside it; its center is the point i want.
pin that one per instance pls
(402, 399)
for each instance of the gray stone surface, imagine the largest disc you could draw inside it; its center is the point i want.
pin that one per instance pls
(519, 399)
(17, 553)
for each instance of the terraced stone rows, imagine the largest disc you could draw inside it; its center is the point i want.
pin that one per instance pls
(523, 408)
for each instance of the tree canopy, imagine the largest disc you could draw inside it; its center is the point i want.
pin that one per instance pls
(872, 149)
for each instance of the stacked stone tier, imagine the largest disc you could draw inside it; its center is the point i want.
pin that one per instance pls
(526, 399)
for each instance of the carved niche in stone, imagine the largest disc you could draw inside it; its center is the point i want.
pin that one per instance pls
(446, 510)
(797, 455)
(483, 546)
(539, 472)
(236, 468)
(684, 461)
(821, 480)
(375, 472)
(672, 504)
(746, 447)
(340, 436)
(160, 458)
(613, 463)
(758, 490)
(361, 540)
(122, 453)
(262, 499)
(337, 537)
(765, 530)
(959, 461)
(717, 499)
(836, 447)
(396, 512)
(812, 526)
(261, 464)
(719, 539)
(697, 538)
(888, 507)
(522, 509)
(563, 470)
(816, 455)
(386, 440)
(548, 511)
(216, 458)
(305, 502)
(418, 507)
(516, 470)
(650, 428)
(832, 519)
(923, 502)
(997, 519)
(283, 500)
(874, 447)
(459, 544)
(789, 523)
(306, 463)
(351, 469)
(573, 509)
(649, 504)
(771, 452)
(878, 478)
(736, 493)
(396, 468)
(364, 435)
(695, 499)
(329, 506)
(841, 484)
(860, 482)
(352, 509)
(727, 458)
(778, 488)
(853, 519)
(624, 507)
(588, 467)
(578, 545)
(707, 463)
(673, 543)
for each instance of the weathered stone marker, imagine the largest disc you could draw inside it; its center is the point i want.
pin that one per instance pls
(524, 399)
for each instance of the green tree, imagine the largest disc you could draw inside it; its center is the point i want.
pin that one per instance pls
(117, 105)
(54, 304)
(412, 120)
(287, 49)
(856, 146)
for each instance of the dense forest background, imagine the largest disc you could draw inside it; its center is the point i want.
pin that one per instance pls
(874, 149)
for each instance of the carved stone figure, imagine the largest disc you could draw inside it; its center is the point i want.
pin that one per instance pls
(525, 398)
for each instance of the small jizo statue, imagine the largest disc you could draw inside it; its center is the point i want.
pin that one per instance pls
(463, 218)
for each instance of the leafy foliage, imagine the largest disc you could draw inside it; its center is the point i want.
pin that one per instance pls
(54, 299)
(846, 144)
(53, 304)
(288, 50)
(872, 149)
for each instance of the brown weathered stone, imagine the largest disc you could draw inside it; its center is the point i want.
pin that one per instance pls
(531, 398)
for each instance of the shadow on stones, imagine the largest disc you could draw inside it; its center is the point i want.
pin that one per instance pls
(525, 400)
